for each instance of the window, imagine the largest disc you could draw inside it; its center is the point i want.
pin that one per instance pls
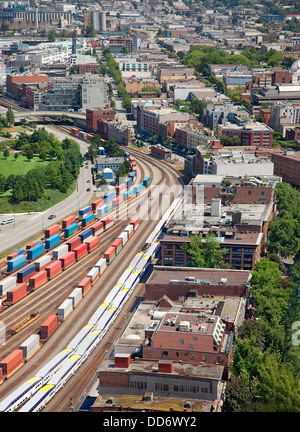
(181, 341)
(165, 353)
(191, 346)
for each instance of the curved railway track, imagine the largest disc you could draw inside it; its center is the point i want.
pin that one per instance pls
(47, 298)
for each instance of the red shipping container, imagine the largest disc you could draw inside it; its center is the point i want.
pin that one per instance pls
(85, 285)
(74, 131)
(97, 228)
(54, 229)
(53, 269)
(31, 245)
(1, 376)
(108, 254)
(67, 221)
(11, 256)
(67, 260)
(17, 293)
(107, 221)
(131, 158)
(97, 203)
(12, 362)
(95, 279)
(92, 243)
(116, 244)
(72, 244)
(38, 279)
(134, 169)
(81, 251)
(135, 223)
(120, 188)
(2, 263)
(48, 326)
(89, 137)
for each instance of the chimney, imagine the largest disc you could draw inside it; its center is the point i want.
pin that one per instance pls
(122, 360)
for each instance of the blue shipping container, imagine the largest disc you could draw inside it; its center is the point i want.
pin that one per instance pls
(86, 234)
(146, 181)
(25, 272)
(35, 251)
(127, 194)
(52, 241)
(71, 229)
(103, 209)
(138, 188)
(132, 175)
(88, 219)
(15, 263)
(20, 251)
(84, 210)
(109, 196)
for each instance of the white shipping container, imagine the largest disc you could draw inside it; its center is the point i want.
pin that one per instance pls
(30, 345)
(76, 296)
(60, 251)
(101, 264)
(93, 273)
(41, 262)
(129, 228)
(124, 237)
(65, 308)
(7, 284)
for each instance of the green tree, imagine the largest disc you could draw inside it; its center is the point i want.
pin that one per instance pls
(6, 153)
(52, 35)
(10, 117)
(238, 397)
(205, 253)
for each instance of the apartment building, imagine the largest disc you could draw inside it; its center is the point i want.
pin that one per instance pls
(287, 166)
(93, 115)
(250, 134)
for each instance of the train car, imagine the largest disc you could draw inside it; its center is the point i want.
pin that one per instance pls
(73, 344)
(76, 296)
(101, 264)
(117, 244)
(65, 309)
(86, 234)
(146, 181)
(102, 210)
(48, 326)
(53, 269)
(75, 131)
(16, 293)
(125, 275)
(113, 292)
(93, 274)
(71, 230)
(108, 197)
(51, 231)
(90, 342)
(73, 243)
(88, 220)
(135, 222)
(98, 313)
(80, 251)
(97, 228)
(128, 194)
(6, 284)
(65, 223)
(137, 189)
(35, 251)
(25, 274)
(109, 254)
(85, 211)
(52, 241)
(106, 317)
(108, 222)
(85, 285)
(92, 243)
(67, 260)
(116, 202)
(96, 204)
(120, 189)
(42, 262)
(117, 301)
(37, 280)
(16, 263)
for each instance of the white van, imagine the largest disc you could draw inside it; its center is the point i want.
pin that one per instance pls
(7, 221)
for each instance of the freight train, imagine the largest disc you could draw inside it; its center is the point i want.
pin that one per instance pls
(34, 394)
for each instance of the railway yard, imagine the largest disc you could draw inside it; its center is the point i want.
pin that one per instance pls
(45, 300)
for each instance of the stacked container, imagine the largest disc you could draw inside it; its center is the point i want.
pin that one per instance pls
(60, 251)
(108, 197)
(88, 219)
(84, 211)
(129, 230)
(51, 231)
(117, 244)
(48, 326)
(15, 263)
(53, 269)
(128, 194)
(65, 309)
(12, 363)
(71, 230)
(75, 296)
(108, 222)
(124, 237)
(38, 280)
(80, 251)
(93, 274)
(146, 181)
(116, 202)
(74, 131)
(52, 241)
(98, 228)
(102, 210)
(138, 188)
(84, 235)
(68, 221)
(26, 273)
(30, 245)
(2, 263)
(128, 182)
(30, 346)
(7, 284)
(17, 293)
(92, 243)
(132, 175)
(67, 260)
(85, 285)
(97, 203)
(42, 262)
(101, 264)
(11, 256)
(109, 254)
(120, 189)
(135, 222)
(20, 251)
(35, 251)
(72, 244)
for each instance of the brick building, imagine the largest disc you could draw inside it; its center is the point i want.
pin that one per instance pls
(92, 116)
(15, 87)
(123, 135)
(161, 152)
(251, 134)
(287, 166)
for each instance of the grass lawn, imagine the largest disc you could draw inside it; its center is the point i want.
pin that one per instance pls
(20, 166)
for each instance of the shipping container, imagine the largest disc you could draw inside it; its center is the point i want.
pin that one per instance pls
(42, 262)
(109, 254)
(74, 131)
(132, 175)
(30, 245)
(88, 220)
(120, 189)
(129, 230)
(65, 223)
(84, 235)
(52, 241)
(38, 280)
(64, 309)
(135, 223)
(6, 284)
(67, 260)
(2, 263)
(20, 251)
(146, 181)
(85, 285)
(35, 251)
(24, 274)
(101, 264)
(80, 251)
(131, 159)
(84, 211)
(11, 256)
(97, 203)
(71, 230)
(30, 346)
(72, 244)
(89, 137)
(12, 363)
(108, 221)
(117, 244)
(51, 231)
(97, 228)
(16, 293)
(116, 202)
(15, 263)
(92, 243)
(127, 194)
(124, 237)
(138, 188)
(75, 296)
(48, 326)
(60, 251)
(102, 210)
(108, 197)
(93, 274)
(53, 269)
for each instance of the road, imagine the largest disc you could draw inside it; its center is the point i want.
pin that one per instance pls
(28, 226)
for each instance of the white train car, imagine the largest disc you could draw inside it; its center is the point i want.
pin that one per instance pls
(73, 344)
(98, 313)
(19, 396)
(112, 294)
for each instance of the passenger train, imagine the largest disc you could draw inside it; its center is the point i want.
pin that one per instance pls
(35, 393)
